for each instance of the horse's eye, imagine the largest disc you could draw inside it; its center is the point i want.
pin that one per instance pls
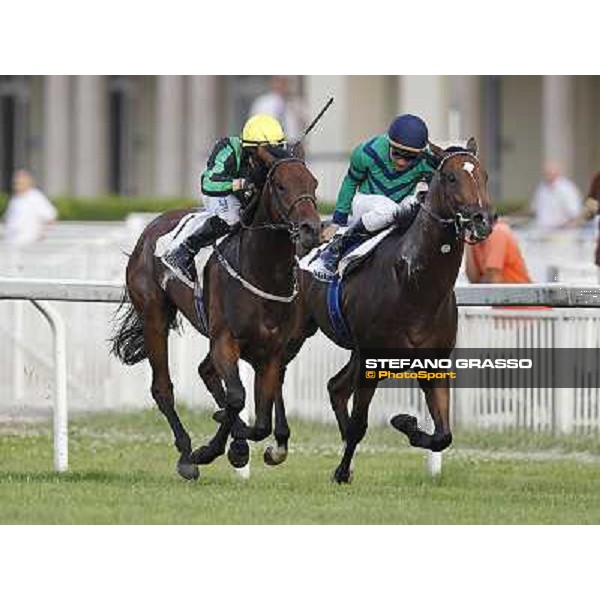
(451, 178)
(279, 187)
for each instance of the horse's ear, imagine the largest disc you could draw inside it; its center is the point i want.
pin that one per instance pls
(298, 151)
(436, 150)
(472, 146)
(265, 156)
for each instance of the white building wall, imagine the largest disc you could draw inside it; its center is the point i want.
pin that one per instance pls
(89, 164)
(521, 135)
(169, 172)
(57, 134)
(558, 121)
(428, 97)
(330, 140)
(201, 127)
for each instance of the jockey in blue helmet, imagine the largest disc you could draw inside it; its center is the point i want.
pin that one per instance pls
(381, 184)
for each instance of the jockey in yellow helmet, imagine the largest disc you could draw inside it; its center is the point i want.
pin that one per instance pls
(225, 185)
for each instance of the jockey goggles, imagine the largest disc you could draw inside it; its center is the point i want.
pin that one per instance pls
(397, 153)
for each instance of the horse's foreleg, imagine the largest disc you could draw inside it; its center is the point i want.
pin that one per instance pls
(340, 388)
(225, 355)
(267, 389)
(276, 455)
(437, 396)
(357, 427)
(438, 403)
(217, 445)
(155, 339)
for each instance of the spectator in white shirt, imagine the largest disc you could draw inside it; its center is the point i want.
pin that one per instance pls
(557, 202)
(280, 103)
(28, 212)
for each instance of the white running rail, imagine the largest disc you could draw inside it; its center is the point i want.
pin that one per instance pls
(40, 291)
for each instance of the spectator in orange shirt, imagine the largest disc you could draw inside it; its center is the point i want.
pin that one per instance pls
(497, 259)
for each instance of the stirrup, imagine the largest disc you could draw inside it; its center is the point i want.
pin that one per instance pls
(183, 272)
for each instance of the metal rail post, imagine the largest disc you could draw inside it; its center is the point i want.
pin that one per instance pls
(61, 440)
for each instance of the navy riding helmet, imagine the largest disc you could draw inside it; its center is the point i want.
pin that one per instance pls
(408, 132)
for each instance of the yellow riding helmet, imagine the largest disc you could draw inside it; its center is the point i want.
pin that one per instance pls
(262, 129)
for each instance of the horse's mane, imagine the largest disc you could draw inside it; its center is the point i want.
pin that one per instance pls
(279, 152)
(258, 175)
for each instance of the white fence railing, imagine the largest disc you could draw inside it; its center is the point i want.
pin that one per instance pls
(96, 381)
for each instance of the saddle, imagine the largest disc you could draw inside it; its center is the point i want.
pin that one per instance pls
(352, 260)
(187, 224)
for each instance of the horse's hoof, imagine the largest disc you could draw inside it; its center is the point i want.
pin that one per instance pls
(341, 476)
(187, 470)
(238, 454)
(439, 443)
(272, 457)
(203, 455)
(406, 424)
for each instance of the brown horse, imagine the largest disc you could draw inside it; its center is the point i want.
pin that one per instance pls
(592, 208)
(249, 294)
(403, 298)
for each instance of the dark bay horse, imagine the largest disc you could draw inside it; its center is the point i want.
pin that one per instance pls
(249, 295)
(403, 297)
(592, 208)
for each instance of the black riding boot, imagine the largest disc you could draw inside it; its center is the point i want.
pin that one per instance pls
(332, 254)
(181, 259)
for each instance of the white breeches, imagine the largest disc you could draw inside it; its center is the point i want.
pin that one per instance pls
(226, 207)
(377, 212)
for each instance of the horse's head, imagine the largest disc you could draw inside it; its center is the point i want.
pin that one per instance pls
(460, 192)
(288, 197)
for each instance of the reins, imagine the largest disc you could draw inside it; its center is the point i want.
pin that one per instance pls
(291, 228)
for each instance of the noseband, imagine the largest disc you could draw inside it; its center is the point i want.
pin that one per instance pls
(458, 220)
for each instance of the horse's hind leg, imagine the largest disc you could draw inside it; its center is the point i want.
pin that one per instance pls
(217, 445)
(156, 330)
(437, 395)
(357, 427)
(340, 388)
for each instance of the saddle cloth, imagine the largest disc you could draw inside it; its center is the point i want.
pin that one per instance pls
(186, 225)
(313, 263)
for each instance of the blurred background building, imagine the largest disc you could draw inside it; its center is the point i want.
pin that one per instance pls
(149, 135)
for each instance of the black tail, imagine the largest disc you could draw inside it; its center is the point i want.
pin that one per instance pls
(127, 343)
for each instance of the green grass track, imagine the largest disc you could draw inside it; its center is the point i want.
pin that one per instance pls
(122, 472)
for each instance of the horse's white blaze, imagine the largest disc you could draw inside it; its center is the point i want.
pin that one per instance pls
(468, 167)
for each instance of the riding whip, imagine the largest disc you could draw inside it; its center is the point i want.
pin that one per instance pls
(314, 122)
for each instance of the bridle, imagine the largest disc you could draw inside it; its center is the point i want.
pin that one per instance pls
(287, 225)
(460, 222)
(281, 213)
